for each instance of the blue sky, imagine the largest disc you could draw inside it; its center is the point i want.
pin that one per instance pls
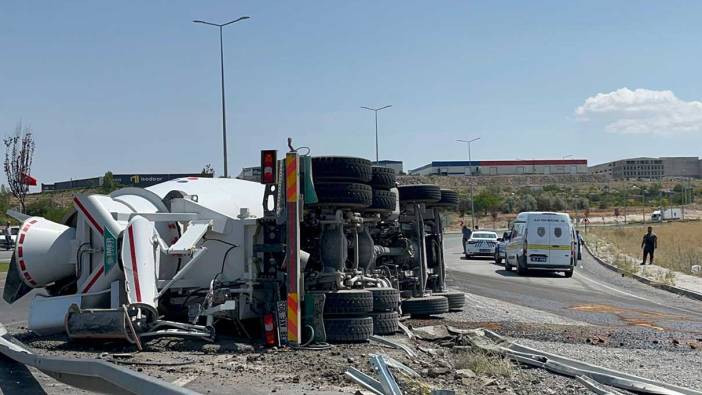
(133, 86)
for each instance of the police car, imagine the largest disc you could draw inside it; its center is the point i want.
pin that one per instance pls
(481, 243)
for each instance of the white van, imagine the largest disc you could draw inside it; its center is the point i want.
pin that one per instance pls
(542, 241)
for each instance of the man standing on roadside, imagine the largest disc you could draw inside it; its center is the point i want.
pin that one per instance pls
(8, 237)
(649, 244)
(466, 235)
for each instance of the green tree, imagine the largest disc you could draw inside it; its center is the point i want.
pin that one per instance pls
(108, 183)
(527, 203)
(487, 202)
(558, 204)
(544, 201)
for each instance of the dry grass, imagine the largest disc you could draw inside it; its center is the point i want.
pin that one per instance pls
(4, 266)
(679, 245)
(484, 364)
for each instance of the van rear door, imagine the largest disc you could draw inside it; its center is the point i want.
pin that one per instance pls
(560, 247)
(537, 242)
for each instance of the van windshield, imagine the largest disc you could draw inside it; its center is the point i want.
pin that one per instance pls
(484, 235)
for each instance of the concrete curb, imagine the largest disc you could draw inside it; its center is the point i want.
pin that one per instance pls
(647, 281)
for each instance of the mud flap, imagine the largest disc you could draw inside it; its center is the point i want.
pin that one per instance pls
(139, 258)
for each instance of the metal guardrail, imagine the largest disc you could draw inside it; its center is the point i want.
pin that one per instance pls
(574, 368)
(91, 375)
(670, 288)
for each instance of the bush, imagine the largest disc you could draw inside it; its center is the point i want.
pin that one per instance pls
(527, 203)
(47, 208)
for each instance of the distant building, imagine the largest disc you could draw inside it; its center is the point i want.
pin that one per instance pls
(392, 164)
(131, 180)
(650, 168)
(503, 167)
(250, 173)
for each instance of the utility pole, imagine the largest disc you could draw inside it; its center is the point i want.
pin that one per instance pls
(375, 110)
(470, 169)
(221, 65)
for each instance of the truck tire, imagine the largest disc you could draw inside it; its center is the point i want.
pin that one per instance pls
(425, 306)
(341, 168)
(385, 299)
(383, 201)
(449, 199)
(568, 273)
(343, 194)
(456, 300)
(348, 329)
(420, 193)
(348, 302)
(385, 323)
(383, 177)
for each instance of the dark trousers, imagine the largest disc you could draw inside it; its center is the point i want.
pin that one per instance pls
(648, 252)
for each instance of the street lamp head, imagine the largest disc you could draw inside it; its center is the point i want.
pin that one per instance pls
(375, 109)
(237, 20)
(221, 25)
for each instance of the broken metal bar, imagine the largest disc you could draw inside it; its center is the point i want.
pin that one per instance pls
(88, 374)
(394, 363)
(387, 381)
(365, 381)
(574, 367)
(394, 344)
(406, 330)
(181, 273)
(595, 387)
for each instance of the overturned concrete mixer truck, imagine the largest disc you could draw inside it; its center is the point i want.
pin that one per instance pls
(323, 249)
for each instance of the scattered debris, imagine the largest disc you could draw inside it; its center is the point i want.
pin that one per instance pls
(432, 333)
(395, 344)
(365, 381)
(387, 381)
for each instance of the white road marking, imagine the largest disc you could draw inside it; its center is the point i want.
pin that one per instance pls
(613, 289)
(638, 297)
(185, 380)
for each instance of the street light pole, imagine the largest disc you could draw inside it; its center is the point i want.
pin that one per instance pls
(470, 169)
(375, 110)
(221, 65)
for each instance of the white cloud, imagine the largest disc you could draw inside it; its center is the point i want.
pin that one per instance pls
(642, 111)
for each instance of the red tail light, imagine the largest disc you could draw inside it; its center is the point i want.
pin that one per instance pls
(268, 167)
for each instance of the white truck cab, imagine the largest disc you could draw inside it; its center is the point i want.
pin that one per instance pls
(542, 241)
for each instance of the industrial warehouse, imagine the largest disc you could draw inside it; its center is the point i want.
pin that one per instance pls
(502, 167)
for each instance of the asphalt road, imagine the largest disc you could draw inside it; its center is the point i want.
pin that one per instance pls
(594, 294)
